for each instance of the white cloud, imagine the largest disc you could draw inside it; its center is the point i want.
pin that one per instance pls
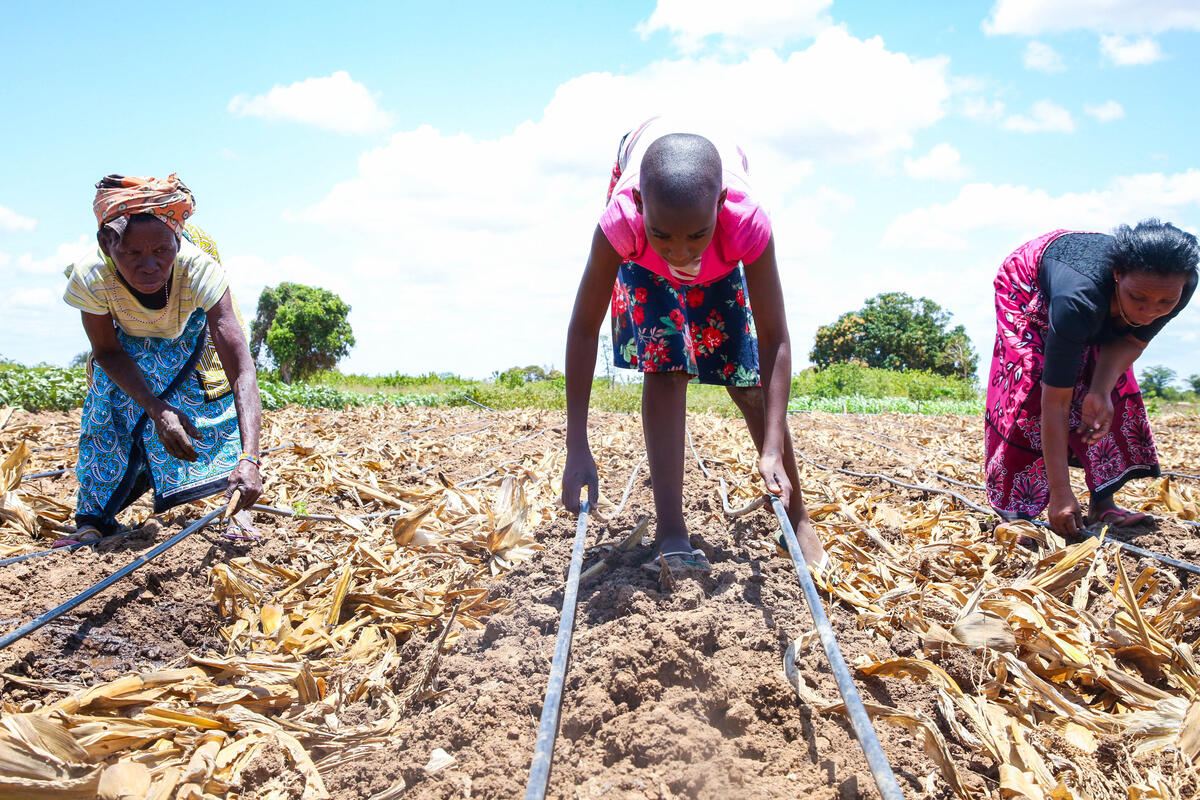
(39, 298)
(1130, 52)
(490, 234)
(942, 162)
(1035, 17)
(11, 221)
(337, 103)
(1042, 57)
(1106, 111)
(1044, 116)
(1026, 212)
(64, 255)
(746, 24)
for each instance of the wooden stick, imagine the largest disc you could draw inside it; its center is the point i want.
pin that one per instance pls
(234, 499)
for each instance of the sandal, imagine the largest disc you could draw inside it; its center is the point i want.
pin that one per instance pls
(679, 562)
(1120, 518)
(85, 534)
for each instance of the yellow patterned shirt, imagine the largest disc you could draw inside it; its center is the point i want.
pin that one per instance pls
(197, 281)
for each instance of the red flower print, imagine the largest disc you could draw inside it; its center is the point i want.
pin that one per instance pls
(711, 338)
(741, 297)
(677, 318)
(655, 353)
(639, 315)
(633, 362)
(695, 297)
(728, 370)
(640, 294)
(620, 299)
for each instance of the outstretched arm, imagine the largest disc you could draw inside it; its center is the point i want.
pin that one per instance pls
(591, 302)
(230, 342)
(775, 365)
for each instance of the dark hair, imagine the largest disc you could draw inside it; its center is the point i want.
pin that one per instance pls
(682, 170)
(1153, 246)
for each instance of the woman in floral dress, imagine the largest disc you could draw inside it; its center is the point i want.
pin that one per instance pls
(1073, 313)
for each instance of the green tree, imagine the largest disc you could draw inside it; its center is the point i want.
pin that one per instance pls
(897, 331)
(1194, 382)
(80, 360)
(1156, 381)
(304, 329)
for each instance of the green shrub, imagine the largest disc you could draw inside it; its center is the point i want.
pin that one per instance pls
(42, 388)
(849, 380)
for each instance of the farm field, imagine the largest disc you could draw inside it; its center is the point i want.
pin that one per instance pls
(406, 656)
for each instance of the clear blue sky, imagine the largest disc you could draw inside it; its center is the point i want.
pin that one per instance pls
(441, 166)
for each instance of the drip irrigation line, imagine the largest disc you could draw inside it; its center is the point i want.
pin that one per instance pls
(543, 751)
(473, 430)
(699, 460)
(1181, 475)
(1133, 549)
(476, 402)
(881, 770)
(914, 486)
(515, 441)
(956, 482)
(52, 473)
(96, 588)
(625, 496)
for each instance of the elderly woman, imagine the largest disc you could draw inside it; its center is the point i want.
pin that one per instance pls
(168, 349)
(1073, 312)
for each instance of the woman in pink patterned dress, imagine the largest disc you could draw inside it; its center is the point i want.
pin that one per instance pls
(1073, 312)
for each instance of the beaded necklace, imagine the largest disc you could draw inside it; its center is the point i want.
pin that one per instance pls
(113, 286)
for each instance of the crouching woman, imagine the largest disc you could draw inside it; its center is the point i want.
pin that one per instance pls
(172, 403)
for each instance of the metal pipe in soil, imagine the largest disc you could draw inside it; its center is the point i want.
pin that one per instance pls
(95, 589)
(543, 750)
(881, 770)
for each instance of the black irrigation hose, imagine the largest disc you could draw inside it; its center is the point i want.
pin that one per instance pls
(52, 473)
(543, 751)
(881, 770)
(96, 588)
(913, 486)
(1131, 548)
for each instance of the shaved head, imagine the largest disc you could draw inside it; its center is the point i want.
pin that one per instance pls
(683, 171)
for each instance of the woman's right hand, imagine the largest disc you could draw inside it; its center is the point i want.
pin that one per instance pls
(579, 472)
(1066, 519)
(174, 429)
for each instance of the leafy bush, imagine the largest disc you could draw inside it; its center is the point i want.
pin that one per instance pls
(850, 379)
(42, 388)
(857, 404)
(276, 394)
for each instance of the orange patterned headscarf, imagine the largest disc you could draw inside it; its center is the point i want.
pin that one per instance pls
(118, 197)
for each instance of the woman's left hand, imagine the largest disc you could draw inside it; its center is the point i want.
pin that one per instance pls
(1096, 417)
(245, 477)
(774, 475)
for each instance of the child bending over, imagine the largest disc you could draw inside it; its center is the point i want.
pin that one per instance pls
(668, 251)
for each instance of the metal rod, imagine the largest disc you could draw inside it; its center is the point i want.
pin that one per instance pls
(543, 751)
(881, 770)
(95, 589)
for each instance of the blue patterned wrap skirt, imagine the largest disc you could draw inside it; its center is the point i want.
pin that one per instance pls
(120, 455)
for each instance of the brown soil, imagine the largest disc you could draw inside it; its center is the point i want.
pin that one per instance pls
(669, 694)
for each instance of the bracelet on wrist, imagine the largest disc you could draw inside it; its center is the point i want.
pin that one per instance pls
(252, 459)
